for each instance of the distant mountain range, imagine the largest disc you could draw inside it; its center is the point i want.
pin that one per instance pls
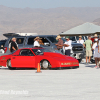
(45, 21)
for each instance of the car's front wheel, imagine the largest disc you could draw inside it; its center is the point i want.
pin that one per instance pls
(45, 64)
(9, 65)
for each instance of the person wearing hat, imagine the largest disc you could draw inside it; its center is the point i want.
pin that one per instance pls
(95, 37)
(67, 46)
(80, 40)
(13, 46)
(95, 42)
(60, 43)
(36, 42)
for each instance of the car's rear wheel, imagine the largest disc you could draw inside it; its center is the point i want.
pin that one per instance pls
(45, 64)
(9, 65)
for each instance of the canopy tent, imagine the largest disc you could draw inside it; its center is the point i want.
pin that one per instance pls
(84, 29)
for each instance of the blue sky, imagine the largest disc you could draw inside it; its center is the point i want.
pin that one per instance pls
(49, 3)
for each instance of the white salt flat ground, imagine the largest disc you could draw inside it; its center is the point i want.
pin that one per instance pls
(68, 84)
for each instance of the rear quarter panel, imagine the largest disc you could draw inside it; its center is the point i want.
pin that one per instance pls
(3, 60)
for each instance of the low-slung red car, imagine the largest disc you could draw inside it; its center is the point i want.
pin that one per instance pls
(30, 57)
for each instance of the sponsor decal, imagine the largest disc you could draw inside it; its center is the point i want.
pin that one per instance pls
(74, 63)
(70, 63)
(3, 58)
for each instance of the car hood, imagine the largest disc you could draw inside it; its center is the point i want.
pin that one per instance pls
(58, 56)
(76, 44)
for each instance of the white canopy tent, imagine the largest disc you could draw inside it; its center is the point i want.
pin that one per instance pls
(84, 29)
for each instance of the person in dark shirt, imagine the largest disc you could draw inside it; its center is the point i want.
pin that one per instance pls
(13, 46)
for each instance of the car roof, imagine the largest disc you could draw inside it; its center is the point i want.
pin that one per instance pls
(33, 48)
(3, 40)
(33, 36)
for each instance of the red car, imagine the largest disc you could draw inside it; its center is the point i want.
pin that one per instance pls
(30, 57)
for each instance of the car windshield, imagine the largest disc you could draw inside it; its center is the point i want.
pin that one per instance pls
(40, 51)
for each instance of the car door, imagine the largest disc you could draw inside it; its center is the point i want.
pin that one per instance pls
(25, 59)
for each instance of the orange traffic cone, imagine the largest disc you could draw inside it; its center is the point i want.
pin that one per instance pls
(38, 68)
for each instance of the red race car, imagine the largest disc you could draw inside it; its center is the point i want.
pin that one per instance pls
(30, 57)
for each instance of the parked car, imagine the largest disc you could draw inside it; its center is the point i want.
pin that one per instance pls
(49, 42)
(30, 57)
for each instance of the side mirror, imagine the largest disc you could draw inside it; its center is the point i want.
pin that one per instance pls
(47, 44)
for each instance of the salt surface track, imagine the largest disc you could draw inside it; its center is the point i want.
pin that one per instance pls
(68, 84)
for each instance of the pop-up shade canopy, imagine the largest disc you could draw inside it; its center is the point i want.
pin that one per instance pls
(84, 29)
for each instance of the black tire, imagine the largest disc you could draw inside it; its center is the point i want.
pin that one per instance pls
(93, 61)
(79, 60)
(9, 65)
(45, 64)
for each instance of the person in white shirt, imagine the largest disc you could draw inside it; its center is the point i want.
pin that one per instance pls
(67, 46)
(36, 42)
(80, 40)
(94, 45)
(97, 55)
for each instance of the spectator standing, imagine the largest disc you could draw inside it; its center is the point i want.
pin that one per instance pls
(94, 45)
(97, 55)
(13, 46)
(68, 46)
(36, 42)
(59, 44)
(81, 41)
(88, 45)
(95, 37)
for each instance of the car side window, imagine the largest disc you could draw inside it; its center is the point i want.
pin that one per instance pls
(52, 39)
(18, 40)
(31, 41)
(26, 52)
(44, 41)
